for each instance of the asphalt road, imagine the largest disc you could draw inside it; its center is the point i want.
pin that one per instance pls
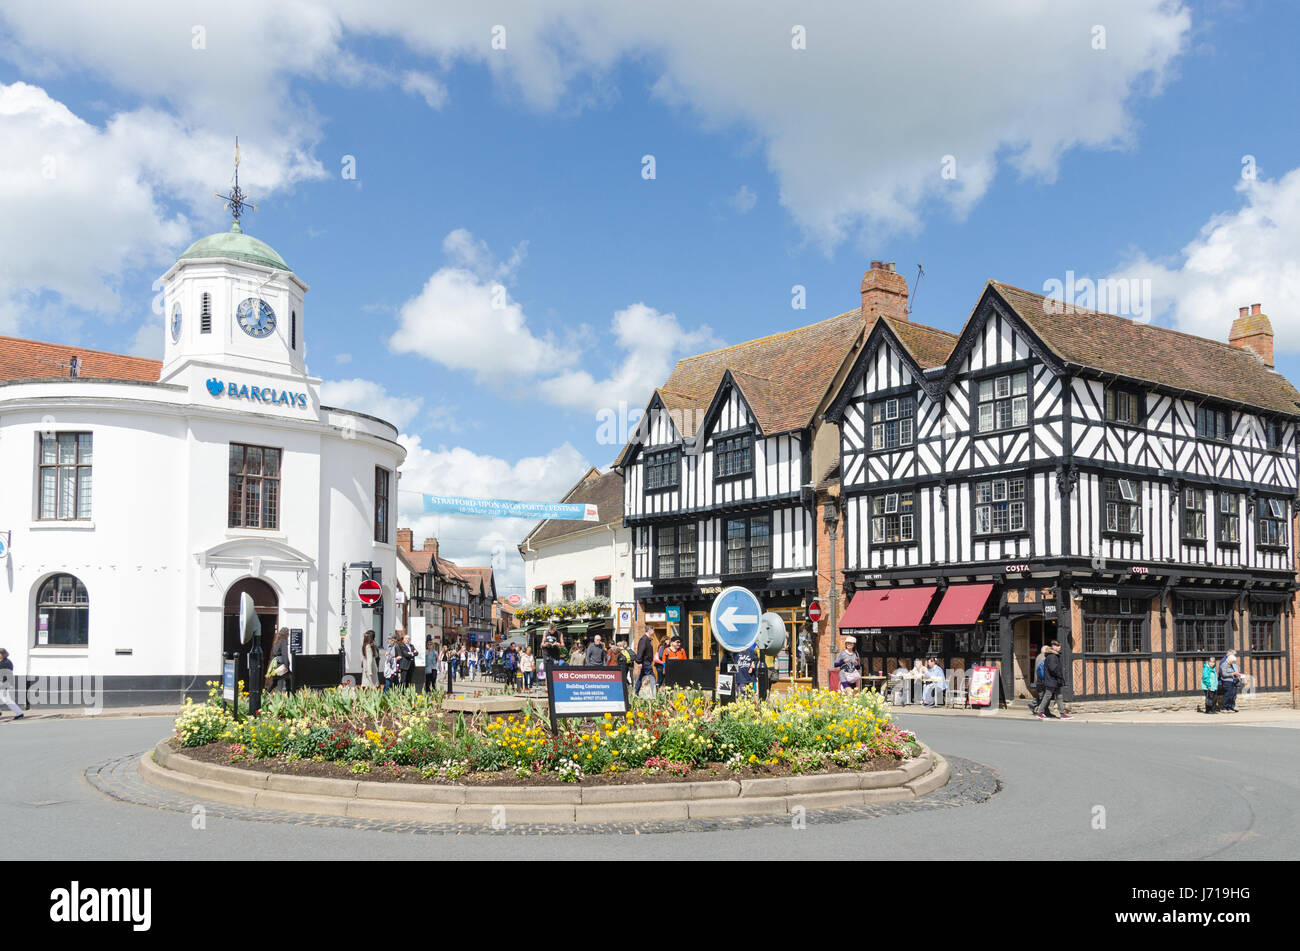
(1205, 791)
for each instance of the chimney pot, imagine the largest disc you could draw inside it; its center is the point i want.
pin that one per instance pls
(1243, 311)
(1254, 308)
(1253, 331)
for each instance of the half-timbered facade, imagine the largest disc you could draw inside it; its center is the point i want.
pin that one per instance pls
(1060, 473)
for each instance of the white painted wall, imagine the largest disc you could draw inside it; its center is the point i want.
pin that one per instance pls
(581, 557)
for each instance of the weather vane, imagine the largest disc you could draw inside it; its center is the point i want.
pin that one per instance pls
(236, 201)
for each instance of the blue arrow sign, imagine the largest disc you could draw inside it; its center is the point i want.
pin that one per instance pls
(734, 616)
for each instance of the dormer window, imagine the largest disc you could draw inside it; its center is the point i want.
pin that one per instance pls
(733, 456)
(893, 422)
(663, 470)
(1002, 402)
(1124, 406)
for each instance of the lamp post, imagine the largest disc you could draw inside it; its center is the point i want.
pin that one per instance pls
(831, 516)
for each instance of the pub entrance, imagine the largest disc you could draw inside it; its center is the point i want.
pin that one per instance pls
(1028, 636)
(267, 604)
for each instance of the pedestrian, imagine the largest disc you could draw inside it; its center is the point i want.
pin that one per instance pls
(7, 684)
(527, 664)
(369, 661)
(1040, 667)
(1210, 684)
(849, 665)
(473, 663)
(553, 648)
(594, 656)
(578, 656)
(645, 656)
(1230, 679)
(510, 666)
(405, 661)
(623, 657)
(449, 658)
(1053, 683)
(430, 665)
(660, 651)
(277, 671)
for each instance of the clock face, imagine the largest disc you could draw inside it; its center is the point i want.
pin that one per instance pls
(256, 318)
(176, 322)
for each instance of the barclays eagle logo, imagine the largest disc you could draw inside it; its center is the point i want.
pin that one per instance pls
(216, 387)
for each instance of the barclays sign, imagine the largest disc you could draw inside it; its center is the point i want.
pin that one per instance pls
(257, 394)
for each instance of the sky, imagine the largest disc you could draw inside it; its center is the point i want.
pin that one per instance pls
(516, 216)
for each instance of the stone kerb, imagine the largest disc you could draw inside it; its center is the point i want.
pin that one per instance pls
(636, 802)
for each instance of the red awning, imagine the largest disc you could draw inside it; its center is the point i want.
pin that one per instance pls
(601, 578)
(962, 604)
(887, 607)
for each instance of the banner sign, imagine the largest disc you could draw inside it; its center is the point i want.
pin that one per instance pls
(503, 508)
(586, 691)
(980, 691)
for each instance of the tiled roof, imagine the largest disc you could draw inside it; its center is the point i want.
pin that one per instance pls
(451, 570)
(1154, 354)
(419, 561)
(605, 490)
(33, 360)
(795, 368)
(480, 578)
(928, 346)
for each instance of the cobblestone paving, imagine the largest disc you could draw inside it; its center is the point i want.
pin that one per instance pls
(971, 783)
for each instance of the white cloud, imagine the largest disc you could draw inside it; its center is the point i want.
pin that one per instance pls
(342, 359)
(459, 471)
(465, 320)
(743, 201)
(366, 396)
(1242, 257)
(855, 126)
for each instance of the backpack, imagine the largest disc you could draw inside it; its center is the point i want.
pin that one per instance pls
(1040, 671)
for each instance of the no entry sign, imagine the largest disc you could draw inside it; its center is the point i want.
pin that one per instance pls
(815, 611)
(370, 592)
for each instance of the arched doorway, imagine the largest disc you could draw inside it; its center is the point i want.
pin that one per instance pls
(267, 604)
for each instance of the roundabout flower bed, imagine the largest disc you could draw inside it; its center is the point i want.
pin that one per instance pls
(405, 736)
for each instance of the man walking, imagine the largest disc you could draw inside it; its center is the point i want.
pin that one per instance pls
(595, 653)
(1053, 681)
(645, 656)
(7, 684)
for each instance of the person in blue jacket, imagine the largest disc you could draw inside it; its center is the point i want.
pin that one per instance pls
(1210, 684)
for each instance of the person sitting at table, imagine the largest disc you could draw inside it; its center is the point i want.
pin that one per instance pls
(935, 684)
(898, 685)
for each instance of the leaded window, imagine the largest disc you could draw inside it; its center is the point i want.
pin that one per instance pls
(999, 506)
(1003, 402)
(1114, 625)
(893, 518)
(1194, 515)
(65, 476)
(1201, 625)
(1272, 523)
(675, 549)
(1264, 634)
(893, 422)
(749, 544)
(254, 487)
(662, 469)
(1273, 434)
(1123, 506)
(1212, 424)
(733, 455)
(1123, 406)
(1228, 521)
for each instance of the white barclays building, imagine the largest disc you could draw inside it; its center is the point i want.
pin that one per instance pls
(138, 500)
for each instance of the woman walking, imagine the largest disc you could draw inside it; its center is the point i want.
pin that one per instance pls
(449, 658)
(849, 665)
(277, 672)
(369, 661)
(528, 664)
(430, 665)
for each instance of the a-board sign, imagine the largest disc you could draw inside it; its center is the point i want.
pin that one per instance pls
(980, 691)
(295, 640)
(586, 692)
(228, 680)
(685, 673)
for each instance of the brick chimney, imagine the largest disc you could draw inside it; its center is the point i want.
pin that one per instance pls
(431, 544)
(884, 293)
(1252, 331)
(404, 539)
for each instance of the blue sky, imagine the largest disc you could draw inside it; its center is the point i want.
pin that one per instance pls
(522, 169)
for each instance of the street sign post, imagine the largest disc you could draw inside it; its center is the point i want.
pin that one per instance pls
(734, 617)
(370, 592)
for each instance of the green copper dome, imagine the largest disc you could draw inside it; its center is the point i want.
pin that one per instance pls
(238, 246)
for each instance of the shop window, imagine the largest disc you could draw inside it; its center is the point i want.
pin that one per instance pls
(1227, 520)
(893, 422)
(1264, 633)
(64, 476)
(254, 487)
(1201, 625)
(999, 506)
(1123, 500)
(1002, 402)
(892, 518)
(1194, 515)
(1114, 625)
(800, 660)
(1272, 523)
(62, 613)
